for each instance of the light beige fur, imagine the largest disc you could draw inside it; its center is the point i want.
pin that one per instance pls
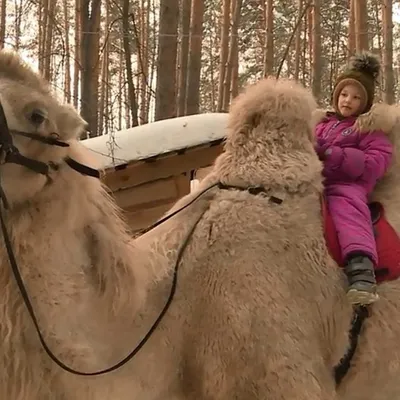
(260, 308)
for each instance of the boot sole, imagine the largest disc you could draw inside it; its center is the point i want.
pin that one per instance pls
(359, 297)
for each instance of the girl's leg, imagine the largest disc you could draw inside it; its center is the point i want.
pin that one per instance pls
(353, 224)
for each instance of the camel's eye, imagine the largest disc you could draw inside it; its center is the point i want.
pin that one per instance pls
(37, 117)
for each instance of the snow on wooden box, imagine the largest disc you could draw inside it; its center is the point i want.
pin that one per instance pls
(149, 167)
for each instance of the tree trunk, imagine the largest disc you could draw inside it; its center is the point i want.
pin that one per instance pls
(67, 82)
(316, 50)
(304, 50)
(103, 103)
(17, 24)
(235, 73)
(377, 8)
(212, 57)
(351, 30)
(90, 49)
(223, 55)
(3, 23)
(144, 55)
(297, 45)
(237, 6)
(196, 38)
(77, 54)
(47, 72)
(128, 64)
(42, 23)
(310, 42)
(183, 56)
(120, 89)
(153, 65)
(361, 25)
(166, 61)
(387, 13)
(269, 48)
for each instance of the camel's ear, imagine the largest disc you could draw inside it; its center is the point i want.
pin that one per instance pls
(70, 123)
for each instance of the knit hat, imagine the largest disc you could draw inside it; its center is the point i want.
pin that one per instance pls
(362, 71)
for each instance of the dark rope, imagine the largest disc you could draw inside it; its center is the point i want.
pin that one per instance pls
(360, 314)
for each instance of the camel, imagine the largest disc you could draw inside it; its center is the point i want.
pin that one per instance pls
(259, 307)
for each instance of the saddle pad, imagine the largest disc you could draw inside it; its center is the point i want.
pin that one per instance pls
(387, 242)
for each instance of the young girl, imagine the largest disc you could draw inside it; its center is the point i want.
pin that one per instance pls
(353, 163)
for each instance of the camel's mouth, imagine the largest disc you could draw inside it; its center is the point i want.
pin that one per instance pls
(9, 153)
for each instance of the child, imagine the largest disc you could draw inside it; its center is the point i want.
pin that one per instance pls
(353, 162)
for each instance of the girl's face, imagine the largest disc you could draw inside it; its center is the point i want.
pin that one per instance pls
(349, 101)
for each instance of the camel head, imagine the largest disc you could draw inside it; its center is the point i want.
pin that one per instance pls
(31, 108)
(270, 136)
(71, 246)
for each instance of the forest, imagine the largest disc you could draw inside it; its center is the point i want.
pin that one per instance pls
(124, 63)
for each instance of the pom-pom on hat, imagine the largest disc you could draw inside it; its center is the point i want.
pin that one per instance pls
(362, 71)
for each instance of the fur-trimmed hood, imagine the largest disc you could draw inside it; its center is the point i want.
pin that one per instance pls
(383, 117)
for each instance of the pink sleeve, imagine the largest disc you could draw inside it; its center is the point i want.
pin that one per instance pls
(378, 152)
(319, 128)
(369, 162)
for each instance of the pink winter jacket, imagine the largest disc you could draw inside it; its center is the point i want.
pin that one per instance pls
(359, 158)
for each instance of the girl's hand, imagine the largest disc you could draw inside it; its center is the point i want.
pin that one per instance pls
(321, 141)
(321, 148)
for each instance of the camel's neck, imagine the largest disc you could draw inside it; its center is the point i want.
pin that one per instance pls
(294, 173)
(76, 260)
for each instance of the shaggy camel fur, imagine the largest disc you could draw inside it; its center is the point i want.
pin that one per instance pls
(259, 310)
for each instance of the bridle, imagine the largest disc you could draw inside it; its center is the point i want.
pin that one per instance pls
(10, 154)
